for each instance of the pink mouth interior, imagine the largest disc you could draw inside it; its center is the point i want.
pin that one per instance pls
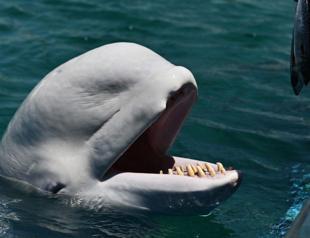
(148, 154)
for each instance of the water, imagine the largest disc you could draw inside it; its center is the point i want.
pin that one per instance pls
(246, 115)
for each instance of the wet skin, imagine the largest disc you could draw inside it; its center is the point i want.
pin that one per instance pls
(99, 127)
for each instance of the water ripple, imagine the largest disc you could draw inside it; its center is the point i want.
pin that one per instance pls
(246, 114)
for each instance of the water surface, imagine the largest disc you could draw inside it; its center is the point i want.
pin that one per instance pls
(246, 115)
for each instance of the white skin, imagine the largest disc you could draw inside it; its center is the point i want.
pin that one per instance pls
(83, 116)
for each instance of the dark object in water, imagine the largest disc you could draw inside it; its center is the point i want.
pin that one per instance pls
(300, 51)
(301, 226)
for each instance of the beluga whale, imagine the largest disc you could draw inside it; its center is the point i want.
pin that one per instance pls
(99, 127)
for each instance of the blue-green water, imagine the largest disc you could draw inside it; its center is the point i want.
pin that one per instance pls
(246, 115)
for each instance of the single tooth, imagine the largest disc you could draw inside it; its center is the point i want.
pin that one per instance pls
(170, 171)
(210, 170)
(160, 172)
(183, 168)
(220, 168)
(194, 169)
(190, 171)
(179, 171)
(200, 172)
(203, 166)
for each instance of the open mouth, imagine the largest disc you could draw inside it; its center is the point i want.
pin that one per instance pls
(149, 153)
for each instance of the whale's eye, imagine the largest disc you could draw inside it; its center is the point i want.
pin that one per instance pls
(55, 187)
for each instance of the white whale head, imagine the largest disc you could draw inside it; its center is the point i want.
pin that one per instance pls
(100, 127)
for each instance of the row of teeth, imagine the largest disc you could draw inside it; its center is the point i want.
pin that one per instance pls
(200, 170)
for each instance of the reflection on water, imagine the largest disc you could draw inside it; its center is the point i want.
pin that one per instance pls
(55, 217)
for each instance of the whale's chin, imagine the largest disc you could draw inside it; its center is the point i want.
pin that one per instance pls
(147, 164)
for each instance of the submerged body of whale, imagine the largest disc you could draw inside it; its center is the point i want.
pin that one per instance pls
(99, 127)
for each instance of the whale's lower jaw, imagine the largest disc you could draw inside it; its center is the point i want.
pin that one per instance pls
(146, 177)
(164, 193)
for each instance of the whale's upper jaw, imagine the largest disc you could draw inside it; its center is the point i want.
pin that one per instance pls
(146, 168)
(148, 154)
